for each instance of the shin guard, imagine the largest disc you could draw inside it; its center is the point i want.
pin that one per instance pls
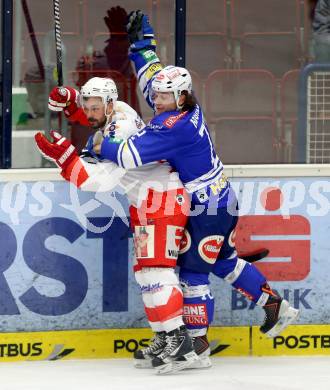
(244, 277)
(198, 303)
(162, 298)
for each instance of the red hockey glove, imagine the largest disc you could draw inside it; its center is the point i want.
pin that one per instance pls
(60, 151)
(63, 98)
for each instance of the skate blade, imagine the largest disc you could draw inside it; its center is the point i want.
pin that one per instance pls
(201, 363)
(178, 365)
(142, 363)
(288, 317)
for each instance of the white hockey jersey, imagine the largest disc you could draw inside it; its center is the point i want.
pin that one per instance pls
(147, 187)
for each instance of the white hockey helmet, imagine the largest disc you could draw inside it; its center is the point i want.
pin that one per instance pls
(104, 88)
(172, 79)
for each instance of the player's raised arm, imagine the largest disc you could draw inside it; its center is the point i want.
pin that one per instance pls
(142, 51)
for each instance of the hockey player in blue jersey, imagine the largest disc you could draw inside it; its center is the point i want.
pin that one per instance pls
(179, 134)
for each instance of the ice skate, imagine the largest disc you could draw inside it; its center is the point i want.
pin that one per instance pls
(279, 315)
(178, 353)
(144, 356)
(202, 349)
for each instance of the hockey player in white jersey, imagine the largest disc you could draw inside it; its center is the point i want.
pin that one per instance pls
(159, 208)
(179, 134)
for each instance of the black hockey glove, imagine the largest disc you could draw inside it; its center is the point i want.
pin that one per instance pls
(140, 33)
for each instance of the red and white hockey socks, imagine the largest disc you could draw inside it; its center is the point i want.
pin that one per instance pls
(162, 298)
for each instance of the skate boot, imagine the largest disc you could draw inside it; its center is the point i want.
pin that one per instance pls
(178, 353)
(202, 348)
(279, 315)
(144, 356)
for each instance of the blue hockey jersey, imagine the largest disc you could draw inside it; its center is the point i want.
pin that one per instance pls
(181, 138)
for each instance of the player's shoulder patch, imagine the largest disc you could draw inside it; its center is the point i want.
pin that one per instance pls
(173, 119)
(153, 68)
(149, 55)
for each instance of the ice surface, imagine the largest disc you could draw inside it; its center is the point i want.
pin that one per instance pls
(250, 373)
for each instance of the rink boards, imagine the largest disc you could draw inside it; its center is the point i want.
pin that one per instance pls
(121, 343)
(66, 264)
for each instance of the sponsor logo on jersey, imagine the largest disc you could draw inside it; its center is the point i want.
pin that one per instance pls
(149, 55)
(152, 70)
(155, 126)
(172, 254)
(210, 247)
(185, 243)
(219, 184)
(174, 236)
(111, 135)
(110, 130)
(115, 140)
(195, 314)
(144, 240)
(138, 123)
(202, 195)
(171, 120)
(180, 199)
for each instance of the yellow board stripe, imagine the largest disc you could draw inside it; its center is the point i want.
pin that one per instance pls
(109, 343)
(295, 340)
(121, 343)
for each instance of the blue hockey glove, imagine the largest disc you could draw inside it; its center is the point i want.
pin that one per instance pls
(140, 33)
